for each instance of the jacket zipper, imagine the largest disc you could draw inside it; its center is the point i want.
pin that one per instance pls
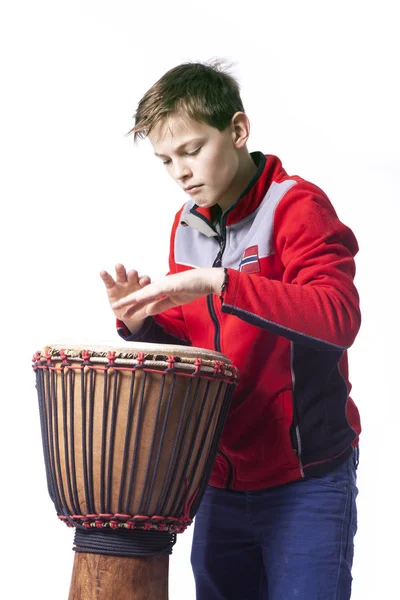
(217, 339)
(296, 443)
(294, 427)
(210, 302)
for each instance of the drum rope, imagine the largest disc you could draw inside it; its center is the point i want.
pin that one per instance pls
(163, 430)
(142, 505)
(72, 434)
(84, 443)
(90, 498)
(202, 443)
(183, 478)
(103, 444)
(168, 479)
(54, 427)
(126, 444)
(112, 436)
(45, 434)
(214, 446)
(124, 543)
(136, 446)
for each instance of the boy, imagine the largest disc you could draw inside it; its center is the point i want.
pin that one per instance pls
(262, 270)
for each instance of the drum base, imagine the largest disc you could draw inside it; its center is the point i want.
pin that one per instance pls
(100, 577)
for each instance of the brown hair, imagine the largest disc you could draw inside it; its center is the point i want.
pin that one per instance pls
(205, 92)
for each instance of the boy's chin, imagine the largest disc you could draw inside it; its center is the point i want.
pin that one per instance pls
(205, 202)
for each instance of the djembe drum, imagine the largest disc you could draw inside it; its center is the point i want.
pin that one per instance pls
(129, 437)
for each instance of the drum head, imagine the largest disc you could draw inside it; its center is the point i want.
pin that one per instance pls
(157, 355)
(131, 350)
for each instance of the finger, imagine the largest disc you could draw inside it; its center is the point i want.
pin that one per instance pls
(157, 307)
(108, 280)
(144, 280)
(120, 273)
(135, 307)
(132, 277)
(139, 298)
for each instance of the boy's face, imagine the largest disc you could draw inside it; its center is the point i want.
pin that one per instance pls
(201, 159)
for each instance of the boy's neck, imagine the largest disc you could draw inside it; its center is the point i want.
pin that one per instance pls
(247, 169)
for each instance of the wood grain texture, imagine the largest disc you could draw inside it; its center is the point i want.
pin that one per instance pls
(100, 577)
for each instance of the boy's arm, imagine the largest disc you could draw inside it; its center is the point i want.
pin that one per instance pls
(317, 303)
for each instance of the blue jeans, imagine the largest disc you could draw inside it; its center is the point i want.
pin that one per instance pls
(290, 541)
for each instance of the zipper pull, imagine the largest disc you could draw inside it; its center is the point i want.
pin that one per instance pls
(218, 261)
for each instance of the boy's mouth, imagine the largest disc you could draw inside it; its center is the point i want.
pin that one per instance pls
(192, 188)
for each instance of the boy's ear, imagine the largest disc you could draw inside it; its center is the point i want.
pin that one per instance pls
(240, 129)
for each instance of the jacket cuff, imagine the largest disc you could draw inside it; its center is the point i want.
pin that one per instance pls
(231, 288)
(126, 335)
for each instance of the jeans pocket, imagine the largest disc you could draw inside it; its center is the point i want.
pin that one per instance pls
(339, 478)
(341, 486)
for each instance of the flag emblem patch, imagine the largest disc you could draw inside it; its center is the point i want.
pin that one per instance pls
(250, 262)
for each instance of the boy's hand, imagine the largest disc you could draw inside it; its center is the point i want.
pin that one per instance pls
(124, 285)
(172, 290)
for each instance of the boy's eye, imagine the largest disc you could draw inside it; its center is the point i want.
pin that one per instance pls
(166, 162)
(194, 152)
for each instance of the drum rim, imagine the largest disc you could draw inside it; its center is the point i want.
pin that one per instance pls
(131, 350)
(160, 357)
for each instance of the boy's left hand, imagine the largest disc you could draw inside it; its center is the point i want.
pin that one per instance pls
(173, 290)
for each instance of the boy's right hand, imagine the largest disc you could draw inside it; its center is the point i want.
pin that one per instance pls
(125, 283)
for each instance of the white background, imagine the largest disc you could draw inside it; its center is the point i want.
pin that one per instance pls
(320, 85)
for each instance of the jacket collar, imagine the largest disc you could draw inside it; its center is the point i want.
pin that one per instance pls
(268, 170)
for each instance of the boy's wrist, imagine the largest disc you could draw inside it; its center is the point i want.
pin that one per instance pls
(220, 280)
(134, 326)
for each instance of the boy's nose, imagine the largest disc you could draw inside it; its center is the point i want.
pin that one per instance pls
(181, 171)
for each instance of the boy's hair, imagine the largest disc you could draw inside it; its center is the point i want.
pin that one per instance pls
(205, 92)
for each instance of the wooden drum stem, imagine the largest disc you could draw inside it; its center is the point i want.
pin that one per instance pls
(101, 577)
